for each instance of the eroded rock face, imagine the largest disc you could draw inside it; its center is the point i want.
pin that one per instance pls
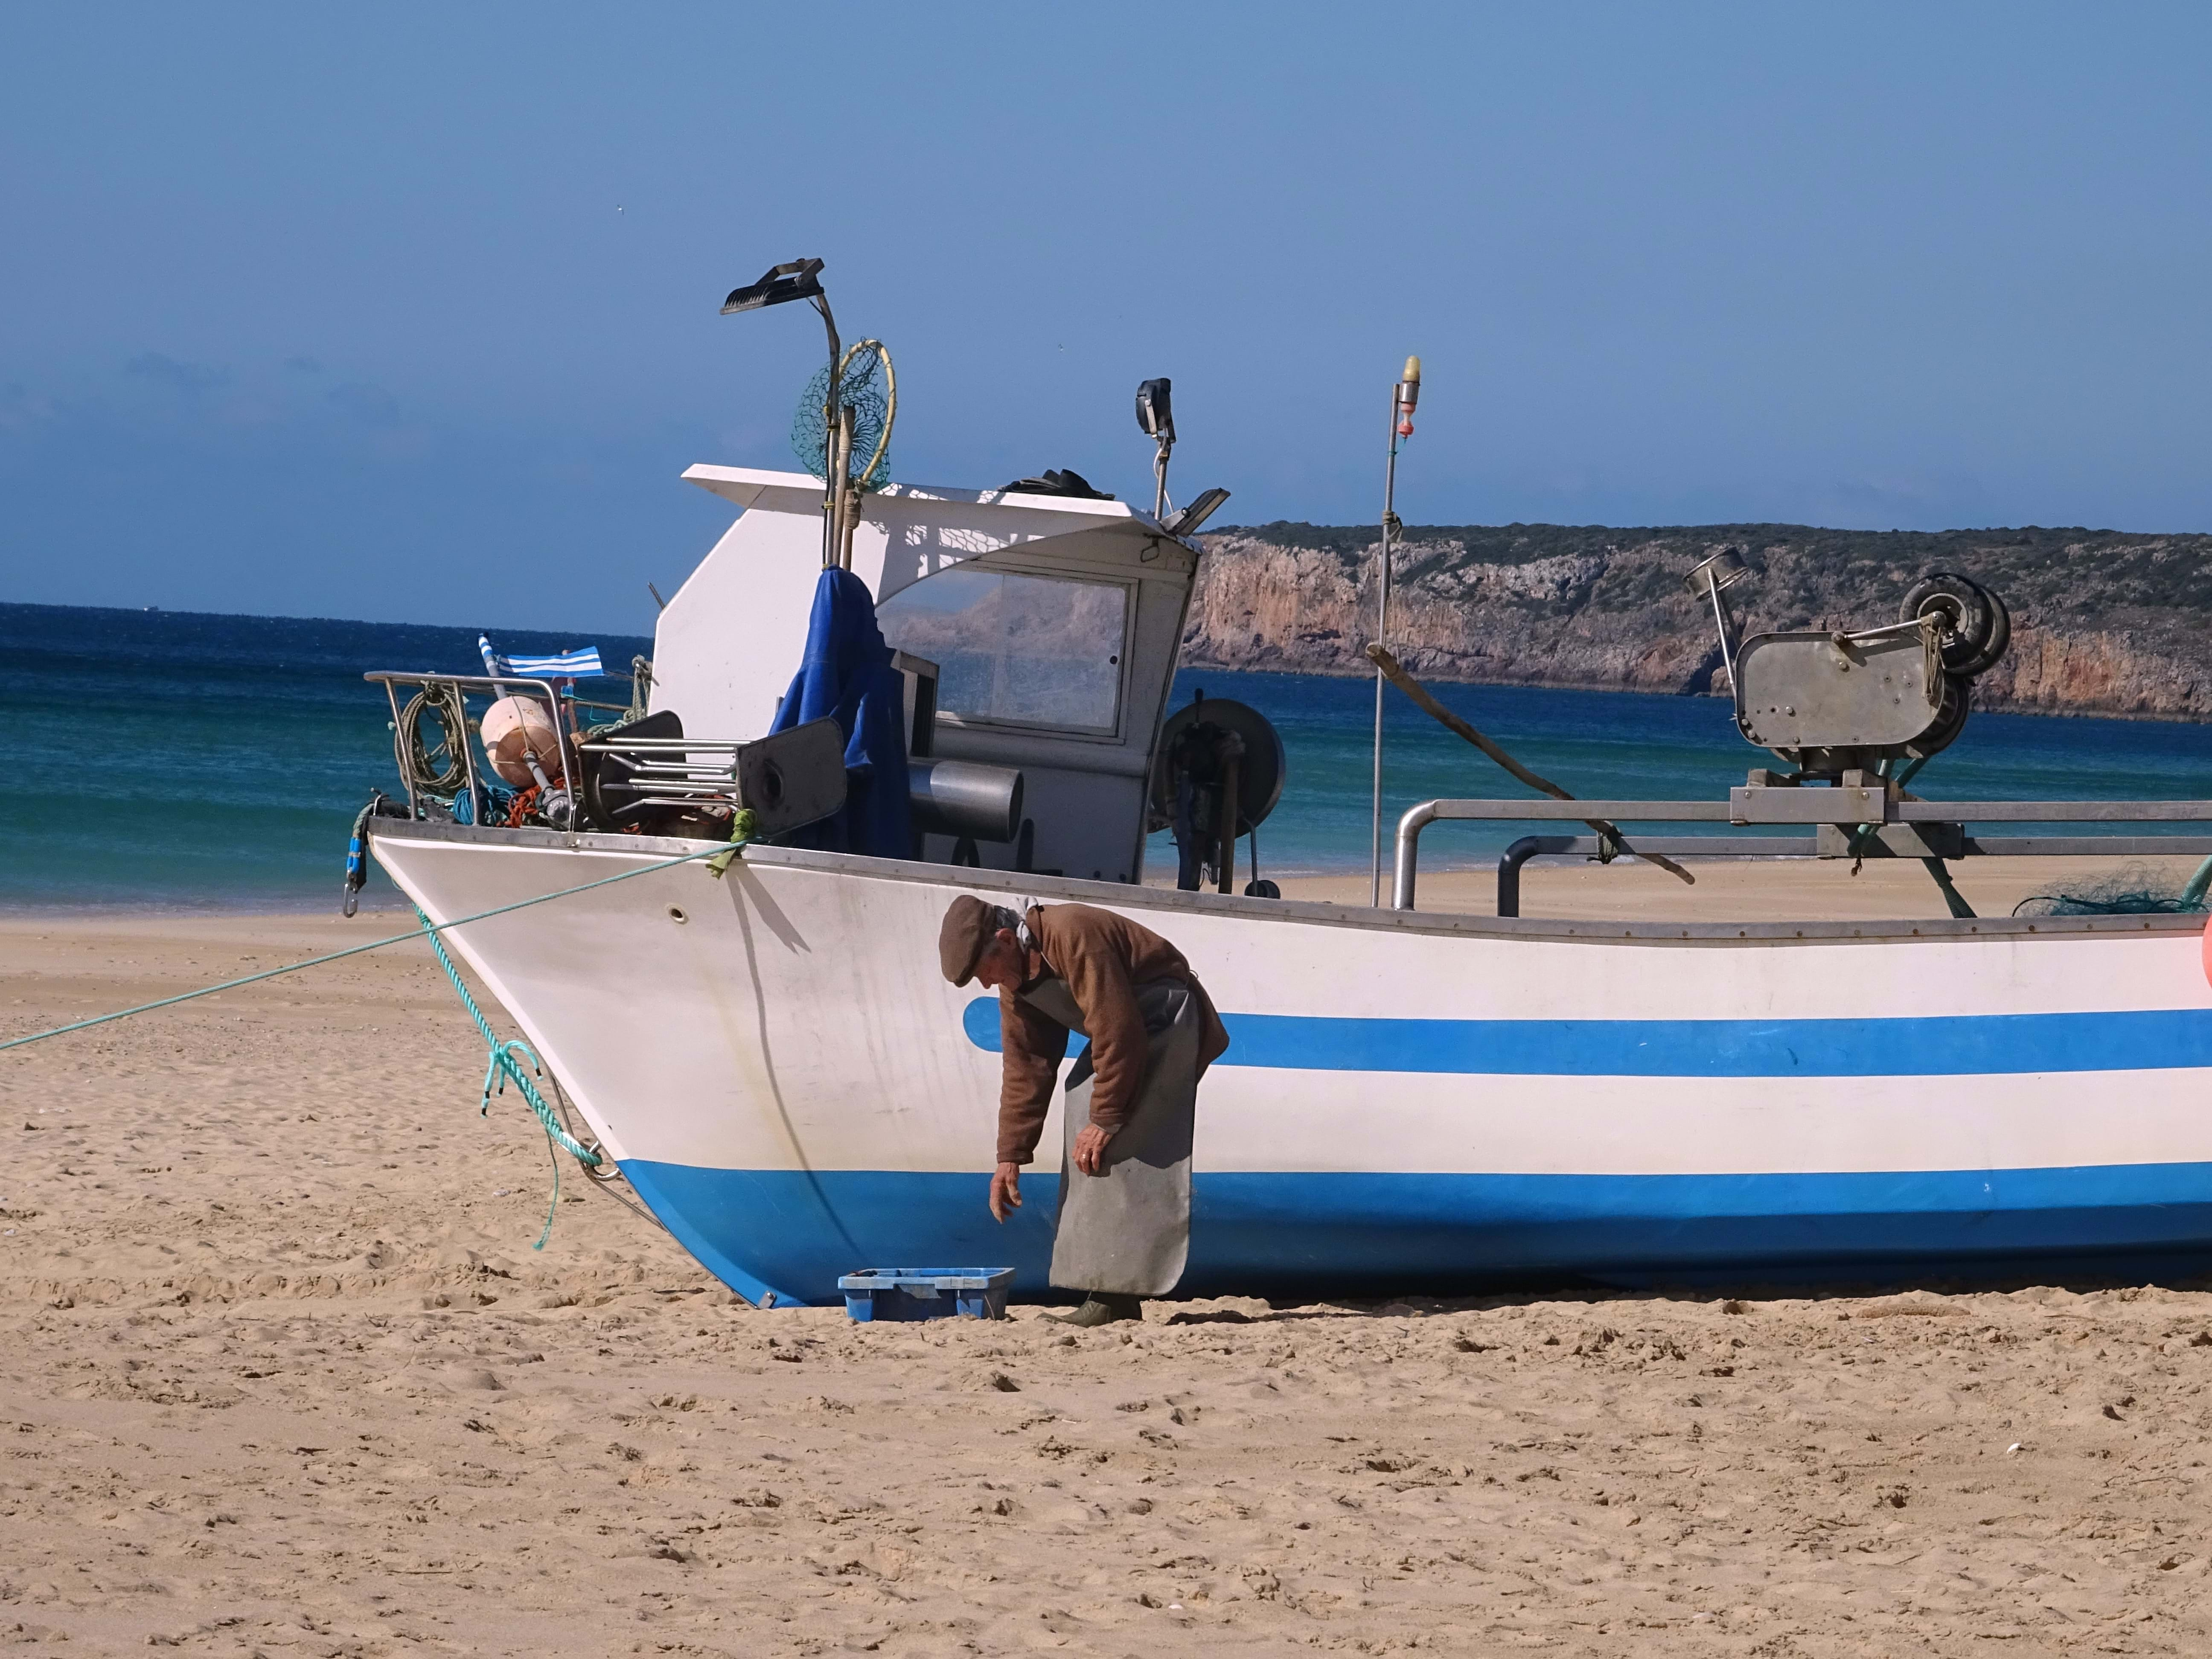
(2104, 623)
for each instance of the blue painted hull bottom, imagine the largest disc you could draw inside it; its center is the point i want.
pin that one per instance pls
(792, 1232)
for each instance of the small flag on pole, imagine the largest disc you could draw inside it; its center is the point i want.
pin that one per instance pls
(582, 663)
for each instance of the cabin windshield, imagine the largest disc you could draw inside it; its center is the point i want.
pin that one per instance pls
(1018, 650)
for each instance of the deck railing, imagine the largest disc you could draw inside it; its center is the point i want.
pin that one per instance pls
(1853, 821)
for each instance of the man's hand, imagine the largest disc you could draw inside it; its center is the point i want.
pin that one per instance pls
(1090, 1143)
(1006, 1190)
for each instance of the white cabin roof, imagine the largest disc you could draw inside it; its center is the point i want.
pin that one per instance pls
(801, 492)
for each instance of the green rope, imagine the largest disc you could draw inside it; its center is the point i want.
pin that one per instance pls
(500, 1065)
(2193, 894)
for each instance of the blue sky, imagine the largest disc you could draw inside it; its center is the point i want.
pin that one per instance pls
(411, 312)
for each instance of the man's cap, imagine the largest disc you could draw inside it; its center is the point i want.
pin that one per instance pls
(967, 928)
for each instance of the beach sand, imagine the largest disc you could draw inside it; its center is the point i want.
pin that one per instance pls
(282, 1374)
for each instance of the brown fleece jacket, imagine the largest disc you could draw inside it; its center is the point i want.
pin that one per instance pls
(1103, 958)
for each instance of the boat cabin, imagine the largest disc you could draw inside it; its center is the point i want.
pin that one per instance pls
(1053, 624)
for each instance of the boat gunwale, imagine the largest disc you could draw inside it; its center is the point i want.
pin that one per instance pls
(1130, 895)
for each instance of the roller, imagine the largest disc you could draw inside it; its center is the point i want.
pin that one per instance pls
(964, 797)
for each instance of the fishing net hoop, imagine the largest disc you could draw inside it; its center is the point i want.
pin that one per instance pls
(867, 387)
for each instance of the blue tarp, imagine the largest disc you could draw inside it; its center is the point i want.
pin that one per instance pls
(848, 676)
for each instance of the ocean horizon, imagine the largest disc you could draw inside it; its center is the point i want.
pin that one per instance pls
(171, 760)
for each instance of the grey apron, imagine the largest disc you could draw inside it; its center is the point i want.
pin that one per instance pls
(1127, 1228)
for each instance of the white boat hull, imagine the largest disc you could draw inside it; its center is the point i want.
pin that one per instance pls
(776, 1062)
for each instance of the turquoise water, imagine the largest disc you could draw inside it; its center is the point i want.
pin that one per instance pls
(178, 760)
(187, 761)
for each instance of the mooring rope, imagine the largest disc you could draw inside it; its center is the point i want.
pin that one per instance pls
(502, 1063)
(722, 851)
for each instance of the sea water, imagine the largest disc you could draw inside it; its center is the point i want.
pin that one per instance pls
(177, 760)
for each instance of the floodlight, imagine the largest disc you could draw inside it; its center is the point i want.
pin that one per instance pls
(799, 280)
(1154, 414)
(1197, 513)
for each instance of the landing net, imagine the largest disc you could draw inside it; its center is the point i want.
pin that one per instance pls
(862, 387)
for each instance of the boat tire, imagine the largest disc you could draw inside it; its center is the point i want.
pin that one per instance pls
(2000, 639)
(1962, 611)
(1950, 719)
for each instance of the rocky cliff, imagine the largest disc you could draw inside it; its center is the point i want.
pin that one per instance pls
(2104, 623)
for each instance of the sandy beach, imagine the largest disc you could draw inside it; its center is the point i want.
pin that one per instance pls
(282, 1374)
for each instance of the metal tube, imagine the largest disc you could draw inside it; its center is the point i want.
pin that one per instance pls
(832, 499)
(1546, 811)
(966, 797)
(1509, 868)
(1225, 854)
(406, 774)
(1409, 851)
(2053, 811)
(477, 797)
(1721, 627)
(848, 498)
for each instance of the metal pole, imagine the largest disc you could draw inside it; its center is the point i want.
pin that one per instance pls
(1381, 637)
(833, 500)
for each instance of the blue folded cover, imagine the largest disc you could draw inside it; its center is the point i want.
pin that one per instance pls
(848, 676)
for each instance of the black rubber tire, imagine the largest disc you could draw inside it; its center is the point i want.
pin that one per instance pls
(1963, 607)
(2000, 638)
(1950, 720)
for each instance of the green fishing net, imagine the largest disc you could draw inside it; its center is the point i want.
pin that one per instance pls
(2134, 890)
(861, 389)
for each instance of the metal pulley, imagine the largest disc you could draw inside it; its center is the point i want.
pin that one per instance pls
(1218, 774)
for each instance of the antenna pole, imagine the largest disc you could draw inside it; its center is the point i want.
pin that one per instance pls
(1403, 398)
(1382, 638)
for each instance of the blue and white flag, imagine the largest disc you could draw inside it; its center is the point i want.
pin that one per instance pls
(583, 663)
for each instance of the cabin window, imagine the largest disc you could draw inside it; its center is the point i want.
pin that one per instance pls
(1017, 650)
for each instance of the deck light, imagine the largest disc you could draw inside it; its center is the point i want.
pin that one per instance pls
(799, 280)
(1154, 412)
(1197, 513)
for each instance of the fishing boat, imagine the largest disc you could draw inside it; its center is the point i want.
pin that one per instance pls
(1410, 1100)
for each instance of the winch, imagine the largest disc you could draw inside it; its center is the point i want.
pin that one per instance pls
(1832, 701)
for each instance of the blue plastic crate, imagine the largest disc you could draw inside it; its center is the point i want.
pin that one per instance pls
(876, 1293)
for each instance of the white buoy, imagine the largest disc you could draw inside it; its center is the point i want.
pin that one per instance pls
(514, 727)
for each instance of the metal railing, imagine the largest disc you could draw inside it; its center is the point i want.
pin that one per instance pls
(505, 685)
(1848, 822)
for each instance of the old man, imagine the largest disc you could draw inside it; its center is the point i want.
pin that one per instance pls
(1123, 1232)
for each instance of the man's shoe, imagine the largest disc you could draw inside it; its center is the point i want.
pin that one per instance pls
(1102, 1308)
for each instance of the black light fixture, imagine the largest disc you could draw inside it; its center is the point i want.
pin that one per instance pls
(1197, 513)
(799, 280)
(1155, 415)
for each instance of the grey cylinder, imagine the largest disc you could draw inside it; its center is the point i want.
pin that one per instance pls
(964, 797)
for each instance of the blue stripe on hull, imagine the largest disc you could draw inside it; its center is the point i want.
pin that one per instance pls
(794, 1233)
(1949, 1045)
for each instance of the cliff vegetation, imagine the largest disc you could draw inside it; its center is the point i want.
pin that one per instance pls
(2104, 621)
